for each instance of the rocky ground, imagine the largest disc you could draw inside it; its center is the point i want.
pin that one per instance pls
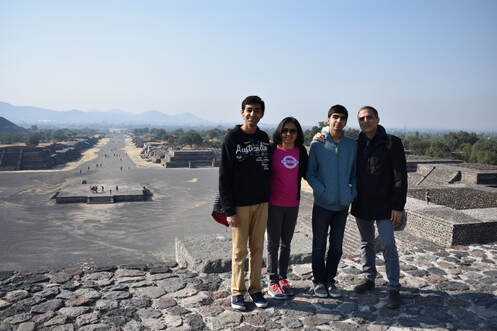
(457, 198)
(452, 289)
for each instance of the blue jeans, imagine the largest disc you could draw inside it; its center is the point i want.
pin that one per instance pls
(322, 219)
(368, 252)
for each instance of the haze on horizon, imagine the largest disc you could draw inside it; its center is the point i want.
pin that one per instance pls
(422, 64)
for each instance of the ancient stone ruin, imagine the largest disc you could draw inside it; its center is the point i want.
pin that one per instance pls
(32, 158)
(175, 157)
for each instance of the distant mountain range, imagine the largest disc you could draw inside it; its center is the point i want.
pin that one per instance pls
(7, 127)
(26, 115)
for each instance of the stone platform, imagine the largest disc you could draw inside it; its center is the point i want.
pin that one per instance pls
(442, 289)
(212, 253)
(83, 194)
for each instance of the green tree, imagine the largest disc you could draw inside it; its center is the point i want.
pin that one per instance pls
(419, 147)
(309, 134)
(438, 149)
(466, 152)
(32, 140)
(352, 133)
(454, 140)
(190, 138)
(214, 133)
(485, 152)
(59, 135)
(7, 138)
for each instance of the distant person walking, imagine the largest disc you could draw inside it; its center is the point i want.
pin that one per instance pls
(288, 167)
(244, 189)
(428, 197)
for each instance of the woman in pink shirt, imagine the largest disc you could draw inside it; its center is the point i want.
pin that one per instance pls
(288, 166)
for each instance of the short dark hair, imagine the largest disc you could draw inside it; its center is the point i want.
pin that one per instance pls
(277, 133)
(371, 109)
(251, 100)
(338, 109)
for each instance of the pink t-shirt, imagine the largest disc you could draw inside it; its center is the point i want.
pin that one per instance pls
(284, 174)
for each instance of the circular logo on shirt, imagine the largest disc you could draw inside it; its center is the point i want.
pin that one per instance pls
(289, 162)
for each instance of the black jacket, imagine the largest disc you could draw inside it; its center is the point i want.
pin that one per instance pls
(244, 170)
(381, 176)
(303, 158)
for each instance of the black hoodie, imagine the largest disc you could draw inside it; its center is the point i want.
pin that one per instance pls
(244, 170)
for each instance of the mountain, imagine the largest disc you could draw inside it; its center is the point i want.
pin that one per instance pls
(7, 127)
(27, 115)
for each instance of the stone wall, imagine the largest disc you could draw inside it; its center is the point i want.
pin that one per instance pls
(31, 158)
(445, 174)
(192, 159)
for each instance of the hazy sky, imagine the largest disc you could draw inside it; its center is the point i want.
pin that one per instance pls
(422, 64)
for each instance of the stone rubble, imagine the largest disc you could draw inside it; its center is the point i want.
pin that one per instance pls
(442, 289)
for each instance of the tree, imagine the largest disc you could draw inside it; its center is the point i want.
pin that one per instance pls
(484, 151)
(214, 133)
(190, 138)
(438, 149)
(59, 135)
(352, 133)
(32, 140)
(454, 140)
(7, 139)
(308, 134)
(419, 147)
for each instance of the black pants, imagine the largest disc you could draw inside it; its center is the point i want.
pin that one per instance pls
(280, 227)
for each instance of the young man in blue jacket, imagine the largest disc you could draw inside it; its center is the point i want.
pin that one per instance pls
(331, 173)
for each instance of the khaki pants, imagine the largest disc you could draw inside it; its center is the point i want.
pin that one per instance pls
(252, 226)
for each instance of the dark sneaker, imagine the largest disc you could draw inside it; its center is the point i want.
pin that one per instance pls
(237, 302)
(334, 292)
(286, 287)
(276, 291)
(320, 291)
(259, 300)
(365, 285)
(394, 301)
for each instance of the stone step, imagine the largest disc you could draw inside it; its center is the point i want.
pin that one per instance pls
(212, 253)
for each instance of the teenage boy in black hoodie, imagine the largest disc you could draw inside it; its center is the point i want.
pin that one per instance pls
(244, 188)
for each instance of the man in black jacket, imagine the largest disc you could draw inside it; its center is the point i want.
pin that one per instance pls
(244, 188)
(381, 196)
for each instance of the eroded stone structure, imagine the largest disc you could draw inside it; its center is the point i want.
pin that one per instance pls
(32, 158)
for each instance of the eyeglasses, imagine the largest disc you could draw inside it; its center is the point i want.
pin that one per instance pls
(291, 131)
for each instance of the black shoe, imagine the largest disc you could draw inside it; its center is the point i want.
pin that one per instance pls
(237, 302)
(394, 301)
(365, 285)
(259, 300)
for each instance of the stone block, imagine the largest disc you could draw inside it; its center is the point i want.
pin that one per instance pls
(212, 253)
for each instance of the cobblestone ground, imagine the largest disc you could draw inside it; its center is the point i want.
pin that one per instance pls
(451, 289)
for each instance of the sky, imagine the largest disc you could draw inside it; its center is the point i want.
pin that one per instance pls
(421, 64)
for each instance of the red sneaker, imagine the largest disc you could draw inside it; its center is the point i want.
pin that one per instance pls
(276, 291)
(286, 288)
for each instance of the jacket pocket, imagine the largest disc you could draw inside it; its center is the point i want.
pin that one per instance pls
(346, 196)
(327, 197)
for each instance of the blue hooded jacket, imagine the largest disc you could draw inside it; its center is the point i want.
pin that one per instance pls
(331, 172)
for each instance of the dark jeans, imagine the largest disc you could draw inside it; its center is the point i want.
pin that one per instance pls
(322, 219)
(280, 227)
